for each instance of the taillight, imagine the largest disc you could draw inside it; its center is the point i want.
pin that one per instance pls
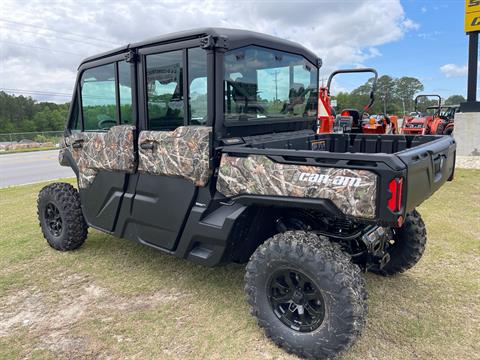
(395, 187)
(399, 193)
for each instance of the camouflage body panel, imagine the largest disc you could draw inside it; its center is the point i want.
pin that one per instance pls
(352, 191)
(112, 151)
(62, 160)
(184, 152)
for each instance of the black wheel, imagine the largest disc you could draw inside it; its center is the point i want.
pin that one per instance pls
(406, 247)
(448, 131)
(60, 216)
(306, 294)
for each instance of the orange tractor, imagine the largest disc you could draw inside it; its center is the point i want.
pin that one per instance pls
(380, 124)
(353, 120)
(448, 113)
(437, 120)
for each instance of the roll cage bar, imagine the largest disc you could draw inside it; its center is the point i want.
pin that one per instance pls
(361, 70)
(430, 107)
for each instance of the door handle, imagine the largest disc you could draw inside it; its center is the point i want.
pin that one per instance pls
(77, 144)
(147, 146)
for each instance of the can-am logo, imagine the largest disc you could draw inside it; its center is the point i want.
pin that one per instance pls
(329, 180)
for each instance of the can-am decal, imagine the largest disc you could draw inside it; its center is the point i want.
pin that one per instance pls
(325, 179)
(353, 191)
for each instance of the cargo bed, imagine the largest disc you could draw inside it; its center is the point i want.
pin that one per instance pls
(408, 168)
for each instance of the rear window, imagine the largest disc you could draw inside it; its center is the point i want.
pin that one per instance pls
(264, 84)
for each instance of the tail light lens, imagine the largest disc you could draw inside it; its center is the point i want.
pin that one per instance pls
(395, 187)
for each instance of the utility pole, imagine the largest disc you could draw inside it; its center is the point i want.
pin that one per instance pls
(275, 73)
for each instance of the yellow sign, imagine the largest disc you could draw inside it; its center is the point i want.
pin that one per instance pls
(472, 15)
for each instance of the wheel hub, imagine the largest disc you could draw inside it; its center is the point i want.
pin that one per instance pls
(53, 220)
(296, 300)
(297, 297)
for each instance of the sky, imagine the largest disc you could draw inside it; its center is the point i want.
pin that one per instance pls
(43, 41)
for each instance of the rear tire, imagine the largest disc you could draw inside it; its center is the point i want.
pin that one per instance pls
(60, 216)
(325, 312)
(408, 246)
(440, 129)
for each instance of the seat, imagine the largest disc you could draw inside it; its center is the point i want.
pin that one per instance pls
(355, 114)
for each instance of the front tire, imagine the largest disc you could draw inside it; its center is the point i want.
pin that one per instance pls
(306, 294)
(407, 247)
(60, 216)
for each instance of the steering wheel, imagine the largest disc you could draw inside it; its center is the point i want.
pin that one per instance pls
(106, 124)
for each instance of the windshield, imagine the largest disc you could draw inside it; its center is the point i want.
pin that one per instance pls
(263, 84)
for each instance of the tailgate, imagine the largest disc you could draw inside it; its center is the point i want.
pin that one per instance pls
(429, 166)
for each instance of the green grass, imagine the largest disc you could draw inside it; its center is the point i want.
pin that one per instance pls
(115, 298)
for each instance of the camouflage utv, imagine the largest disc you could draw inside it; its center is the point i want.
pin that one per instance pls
(203, 144)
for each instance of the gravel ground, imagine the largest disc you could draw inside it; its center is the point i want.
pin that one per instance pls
(467, 162)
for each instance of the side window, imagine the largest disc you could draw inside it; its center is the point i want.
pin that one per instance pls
(197, 87)
(165, 90)
(75, 120)
(125, 91)
(98, 98)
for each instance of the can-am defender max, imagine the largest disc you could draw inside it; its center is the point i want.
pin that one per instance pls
(203, 144)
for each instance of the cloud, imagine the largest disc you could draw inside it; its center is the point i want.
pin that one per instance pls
(423, 9)
(42, 43)
(453, 70)
(411, 25)
(430, 35)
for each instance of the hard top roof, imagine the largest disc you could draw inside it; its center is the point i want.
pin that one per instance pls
(236, 38)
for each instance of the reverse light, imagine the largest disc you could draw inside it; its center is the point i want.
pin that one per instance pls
(395, 187)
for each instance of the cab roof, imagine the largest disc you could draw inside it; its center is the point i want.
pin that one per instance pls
(235, 39)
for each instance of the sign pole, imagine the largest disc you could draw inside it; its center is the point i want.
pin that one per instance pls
(472, 28)
(472, 66)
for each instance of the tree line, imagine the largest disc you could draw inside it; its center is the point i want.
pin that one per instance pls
(24, 114)
(392, 96)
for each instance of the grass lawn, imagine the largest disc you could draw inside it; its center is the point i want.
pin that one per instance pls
(114, 298)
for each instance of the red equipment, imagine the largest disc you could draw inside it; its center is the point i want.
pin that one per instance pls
(325, 116)
(380, 124)
(350, 120)
(439, 123)
(448, 112)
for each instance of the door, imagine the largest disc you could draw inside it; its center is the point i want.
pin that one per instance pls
(101, 139)
(174, 145)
